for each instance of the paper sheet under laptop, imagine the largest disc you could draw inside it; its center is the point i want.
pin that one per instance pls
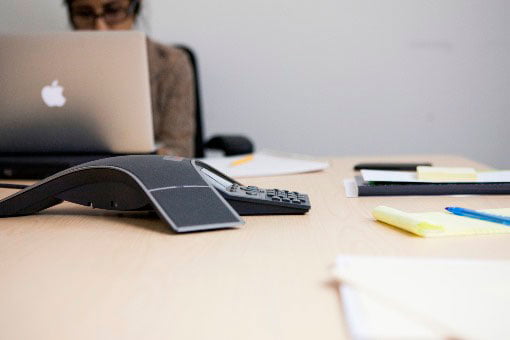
(266, 163)
(410, 177)
(419, 298)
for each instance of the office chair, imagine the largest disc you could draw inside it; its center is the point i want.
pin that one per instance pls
(230, 144)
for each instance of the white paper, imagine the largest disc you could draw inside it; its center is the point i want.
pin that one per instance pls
(419, 298)
(368, 318)
(411, 177)
(351, 188)
(266, 163)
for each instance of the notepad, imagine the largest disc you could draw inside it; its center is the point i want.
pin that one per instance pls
(420, 298)
(447, 174)
(437, 224)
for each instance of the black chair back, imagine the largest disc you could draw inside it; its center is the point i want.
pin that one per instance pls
(199, 133)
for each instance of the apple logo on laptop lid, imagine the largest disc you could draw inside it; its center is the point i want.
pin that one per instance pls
(52, 95)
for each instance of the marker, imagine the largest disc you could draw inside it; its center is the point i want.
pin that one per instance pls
(242, 160)
(479, 215)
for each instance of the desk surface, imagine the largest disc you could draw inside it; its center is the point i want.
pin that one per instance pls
(77, 273)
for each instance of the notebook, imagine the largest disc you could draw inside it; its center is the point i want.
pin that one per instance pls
(419, 298)
(437, 224)
(433, 181)
(358, 187)
(500, 176)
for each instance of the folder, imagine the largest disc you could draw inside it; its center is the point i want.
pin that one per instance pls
(414, 188)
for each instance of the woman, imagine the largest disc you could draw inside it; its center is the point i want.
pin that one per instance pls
(171, 74)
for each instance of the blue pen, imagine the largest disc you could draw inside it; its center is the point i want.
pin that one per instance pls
(479, 215)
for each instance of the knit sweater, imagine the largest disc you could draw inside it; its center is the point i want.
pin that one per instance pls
(173, 99)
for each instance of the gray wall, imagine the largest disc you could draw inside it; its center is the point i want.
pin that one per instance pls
(338, 77)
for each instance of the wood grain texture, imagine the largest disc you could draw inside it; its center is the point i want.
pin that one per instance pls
(76, 273)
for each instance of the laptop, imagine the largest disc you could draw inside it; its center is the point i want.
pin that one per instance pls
(71, 97)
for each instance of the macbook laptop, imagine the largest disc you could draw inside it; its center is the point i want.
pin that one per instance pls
(71, 97)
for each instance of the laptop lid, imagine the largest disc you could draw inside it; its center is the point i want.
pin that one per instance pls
(75, 92)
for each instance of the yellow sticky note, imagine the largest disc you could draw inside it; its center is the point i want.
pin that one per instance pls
(434, 173)
(435, 224)
(406, 221)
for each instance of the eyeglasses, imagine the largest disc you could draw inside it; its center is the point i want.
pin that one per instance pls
(113, 13)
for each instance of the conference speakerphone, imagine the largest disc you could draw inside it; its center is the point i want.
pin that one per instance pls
(187, 194)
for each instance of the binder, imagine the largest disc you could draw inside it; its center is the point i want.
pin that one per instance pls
(403, 189)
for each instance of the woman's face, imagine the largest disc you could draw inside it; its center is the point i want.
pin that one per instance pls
(102, 15)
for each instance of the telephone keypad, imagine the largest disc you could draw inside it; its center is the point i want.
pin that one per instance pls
(272, 195)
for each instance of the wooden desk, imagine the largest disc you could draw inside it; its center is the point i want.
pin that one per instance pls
(76, 273)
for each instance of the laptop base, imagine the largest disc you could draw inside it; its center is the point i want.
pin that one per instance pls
(39, 166)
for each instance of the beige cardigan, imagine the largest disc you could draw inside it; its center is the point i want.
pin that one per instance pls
(173, 99)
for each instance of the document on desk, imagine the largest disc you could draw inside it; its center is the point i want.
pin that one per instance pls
(411, 177)
(265, 163)
(393, 183)
(419, 298)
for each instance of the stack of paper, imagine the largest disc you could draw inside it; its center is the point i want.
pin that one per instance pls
(417, 298)
(390, 183)
(412, 177)
(265, 163)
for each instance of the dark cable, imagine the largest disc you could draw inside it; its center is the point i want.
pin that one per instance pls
(12, 186)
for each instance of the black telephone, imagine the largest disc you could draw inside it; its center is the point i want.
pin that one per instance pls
(186, 193)
(252, 200)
